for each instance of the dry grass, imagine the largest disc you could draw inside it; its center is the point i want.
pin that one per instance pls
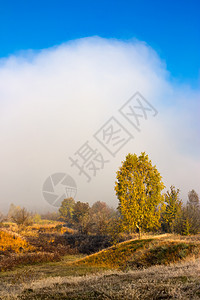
(35, 229)
(177, 281)
(10, 262)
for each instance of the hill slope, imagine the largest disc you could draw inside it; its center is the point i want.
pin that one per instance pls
(142, 253)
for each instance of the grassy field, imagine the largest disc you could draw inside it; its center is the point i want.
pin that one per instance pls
(180, 281)
(156, 267)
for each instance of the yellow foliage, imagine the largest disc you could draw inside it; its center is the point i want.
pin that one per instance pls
(13, 242)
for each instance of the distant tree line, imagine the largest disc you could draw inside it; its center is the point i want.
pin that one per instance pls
(180, 218)
(79, 215)
(143, 207)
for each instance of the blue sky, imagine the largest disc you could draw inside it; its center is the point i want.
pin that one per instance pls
(171, 28)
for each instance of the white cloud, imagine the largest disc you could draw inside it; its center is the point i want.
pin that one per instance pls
(54, 100)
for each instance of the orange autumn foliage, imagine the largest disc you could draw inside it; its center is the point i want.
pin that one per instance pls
(10, 242)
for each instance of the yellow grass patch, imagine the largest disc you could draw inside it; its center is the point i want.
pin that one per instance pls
(14, 243)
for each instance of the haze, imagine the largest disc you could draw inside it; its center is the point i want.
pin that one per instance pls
(54, 100)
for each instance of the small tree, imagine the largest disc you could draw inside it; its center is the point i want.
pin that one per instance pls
(22, 217)
(186, 228)
(172, 213)
(36, 218)
(13, 209)
(81, 217)
(192, 212)
(115, 228)
(193, 199)
(138, 188)
(66, 210)
(100, 214)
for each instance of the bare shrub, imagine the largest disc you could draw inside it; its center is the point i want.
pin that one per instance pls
(21, 217)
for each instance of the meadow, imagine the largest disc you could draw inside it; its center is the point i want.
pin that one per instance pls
(36, 263)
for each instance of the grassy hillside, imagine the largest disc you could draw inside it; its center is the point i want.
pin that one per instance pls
(142, 253)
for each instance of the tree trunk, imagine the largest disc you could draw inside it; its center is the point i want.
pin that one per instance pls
(139, 231)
